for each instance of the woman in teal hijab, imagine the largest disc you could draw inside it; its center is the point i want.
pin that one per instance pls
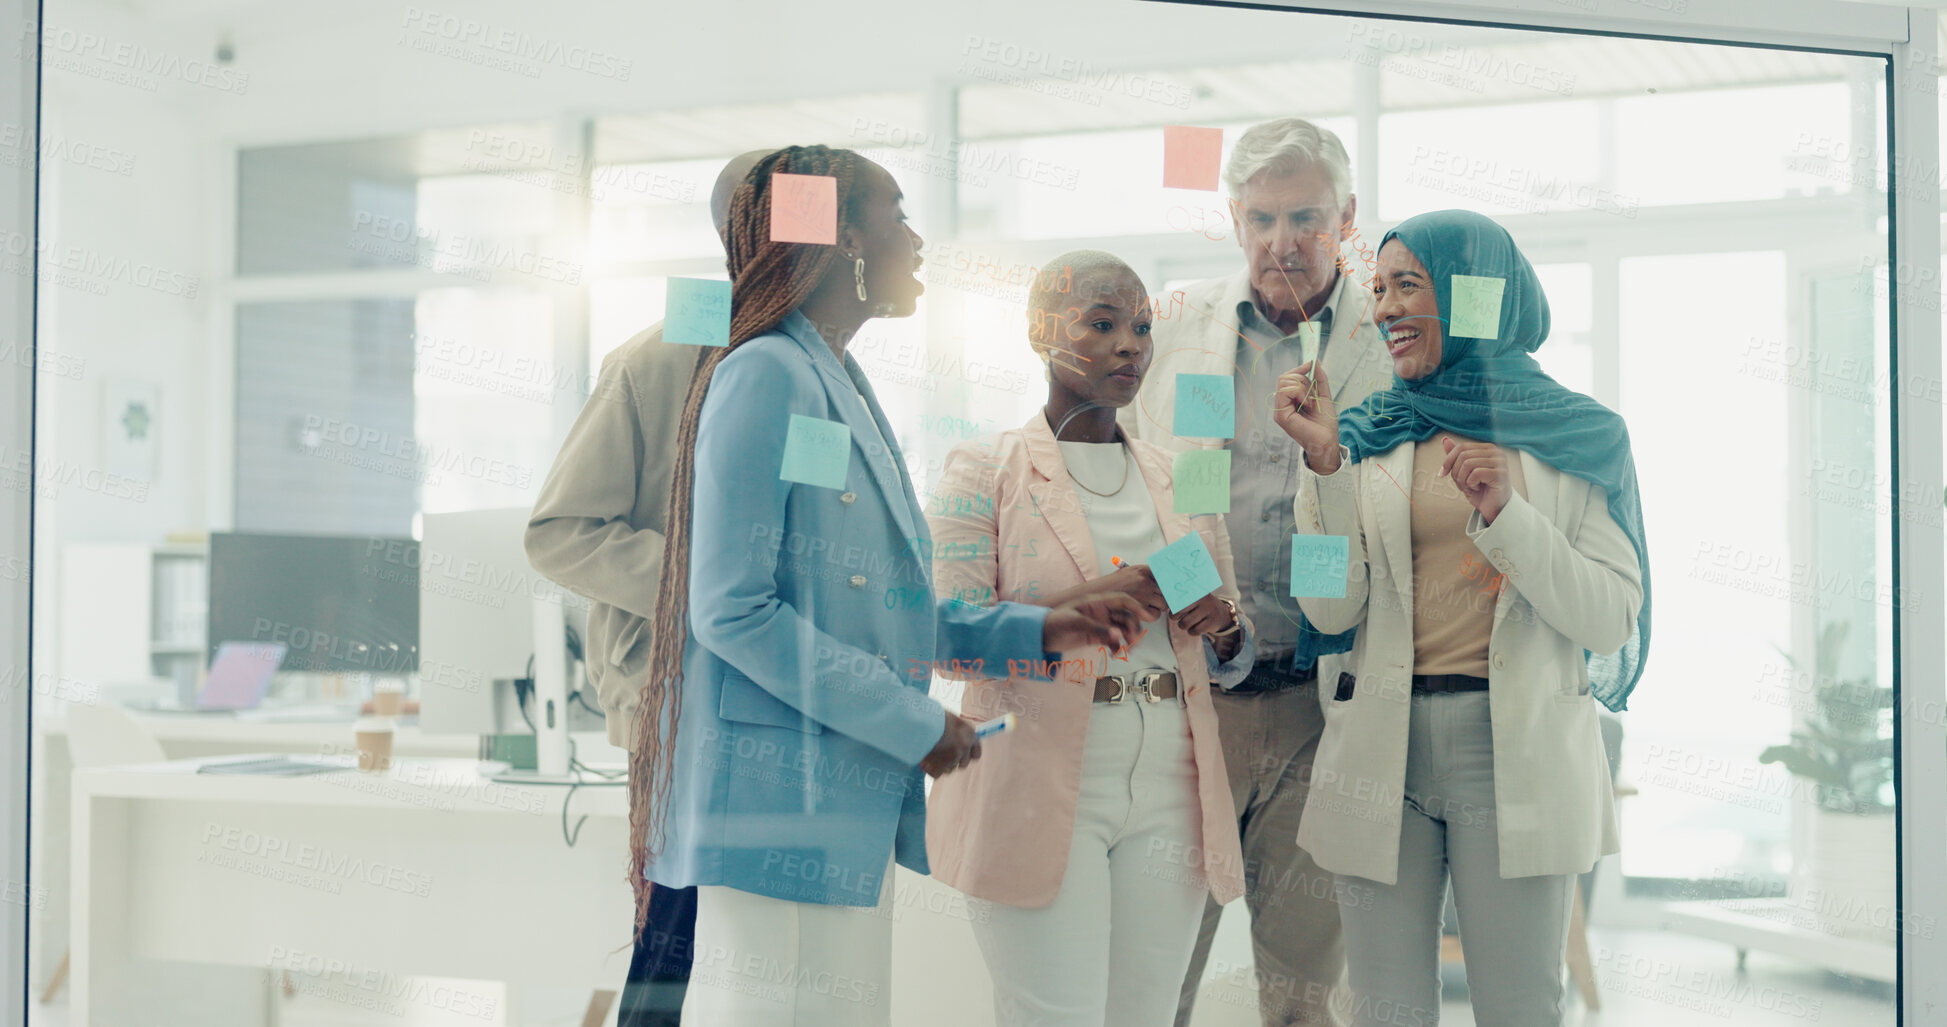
(1496, 588)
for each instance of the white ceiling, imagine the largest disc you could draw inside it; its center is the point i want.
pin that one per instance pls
(731, 75)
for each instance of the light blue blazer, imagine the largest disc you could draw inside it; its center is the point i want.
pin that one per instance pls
(813, 634)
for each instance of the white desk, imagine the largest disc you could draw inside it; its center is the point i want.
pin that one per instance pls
(1789, 929)
(183, 736)
(175, 865)
(428, 869)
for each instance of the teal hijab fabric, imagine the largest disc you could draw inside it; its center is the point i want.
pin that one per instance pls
(1492, 389)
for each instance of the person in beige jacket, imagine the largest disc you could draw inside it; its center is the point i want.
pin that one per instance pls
(1301, 293)
(1482, 532)
(597, 529)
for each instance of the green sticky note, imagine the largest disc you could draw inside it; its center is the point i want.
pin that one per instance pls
(1476, 307)
(697, 312)
(816, 452)
(1202, 481)
(1184, 571)
(1318, 565)
(1206, 406)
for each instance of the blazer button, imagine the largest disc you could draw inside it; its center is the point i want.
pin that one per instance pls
(858, 581)
(849, 498)
(1500, 661)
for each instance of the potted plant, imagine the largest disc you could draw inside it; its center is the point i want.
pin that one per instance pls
(1842, 870)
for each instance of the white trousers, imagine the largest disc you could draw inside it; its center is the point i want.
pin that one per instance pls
(764, 962)
(1113, 946)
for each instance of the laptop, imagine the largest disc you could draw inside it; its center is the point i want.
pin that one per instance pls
(238, 679)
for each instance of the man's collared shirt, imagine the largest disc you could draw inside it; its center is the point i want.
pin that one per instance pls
(1264, 474)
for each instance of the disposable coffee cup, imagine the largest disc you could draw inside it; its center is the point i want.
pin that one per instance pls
(374, 742)
(387, 698)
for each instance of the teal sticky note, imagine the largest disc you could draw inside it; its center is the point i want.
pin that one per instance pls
(1476, 307)
(1201, 481)
(1318, 565)
(816, 452)
(696, 312)
(1184, 571)
(1206, 406)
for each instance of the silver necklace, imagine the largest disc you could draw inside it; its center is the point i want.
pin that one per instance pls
(1119, 485)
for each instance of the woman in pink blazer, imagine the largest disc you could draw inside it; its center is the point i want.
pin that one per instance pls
(1090, 834)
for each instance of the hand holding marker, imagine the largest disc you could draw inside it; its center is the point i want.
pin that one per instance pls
(989, 728)
(1119, 565)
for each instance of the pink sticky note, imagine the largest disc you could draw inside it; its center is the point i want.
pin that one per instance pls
(804, 208)
(1191, 156)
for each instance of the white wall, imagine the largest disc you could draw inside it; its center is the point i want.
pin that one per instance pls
(125, 293)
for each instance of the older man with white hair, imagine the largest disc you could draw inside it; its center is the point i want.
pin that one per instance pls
(1303, 292)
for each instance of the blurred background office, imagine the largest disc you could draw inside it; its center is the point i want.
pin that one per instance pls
(324, 286)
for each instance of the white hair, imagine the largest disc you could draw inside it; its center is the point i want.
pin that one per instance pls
(1286, 146)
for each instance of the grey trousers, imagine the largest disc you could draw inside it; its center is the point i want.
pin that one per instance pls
(1512, 930)
(1269, 740)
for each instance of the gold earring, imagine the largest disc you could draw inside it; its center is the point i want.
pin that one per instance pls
(858, 276)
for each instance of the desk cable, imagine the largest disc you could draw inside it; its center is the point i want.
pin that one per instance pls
(524, 688)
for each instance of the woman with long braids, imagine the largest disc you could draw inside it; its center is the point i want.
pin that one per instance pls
(1464, 747)
(1094, 838)
(785, 720)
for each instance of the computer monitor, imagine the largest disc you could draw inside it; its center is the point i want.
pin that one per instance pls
(477, 614)
(341, 604)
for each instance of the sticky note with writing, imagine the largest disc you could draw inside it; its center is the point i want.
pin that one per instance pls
(1476, 310)
(1308, 340)
(1191, 156)
(1206, 406)
(1201, 481)
(804, 208)
(1184, 571)
(816, 452)
(697, 312)
(1318, 565)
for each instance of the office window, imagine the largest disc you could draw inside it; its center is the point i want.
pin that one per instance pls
(1569, 355)
(1756, 142)
(1090, 184)
(325, 418)
(653, 211)
(338, 206)
(1696, 701)
(485, 381)
(1506, 160)
(618, 308)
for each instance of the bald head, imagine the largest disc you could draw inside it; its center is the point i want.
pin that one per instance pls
(727, 180)
(1067, 286)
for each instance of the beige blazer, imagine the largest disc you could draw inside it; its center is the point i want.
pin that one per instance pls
(1007, 525)
(597, 528)
(1572, 583)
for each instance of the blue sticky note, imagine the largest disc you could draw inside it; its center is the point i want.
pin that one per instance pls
(1184, 571)
(1206, 406)
(1318, 565)
(816, 452)
(697, 312)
